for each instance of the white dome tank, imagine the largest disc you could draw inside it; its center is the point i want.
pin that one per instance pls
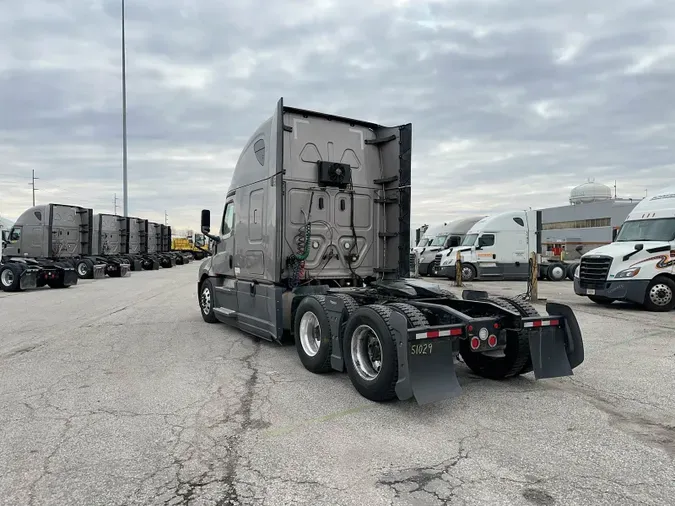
(590, 192)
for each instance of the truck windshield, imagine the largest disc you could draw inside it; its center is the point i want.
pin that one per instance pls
(470, 240)
(424, 241)
(662, 229)
(439, 240)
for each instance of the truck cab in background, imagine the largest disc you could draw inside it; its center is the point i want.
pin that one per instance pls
(639, 266)
(496, 247)
(449, 235)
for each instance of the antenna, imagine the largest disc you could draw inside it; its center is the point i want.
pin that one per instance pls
(615, 189)
(166, 218)
(115, 203)
(32, 183)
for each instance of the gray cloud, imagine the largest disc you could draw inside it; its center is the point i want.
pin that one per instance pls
(512, 103)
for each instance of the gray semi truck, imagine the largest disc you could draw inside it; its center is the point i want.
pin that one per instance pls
(314, 244)
(43, 246)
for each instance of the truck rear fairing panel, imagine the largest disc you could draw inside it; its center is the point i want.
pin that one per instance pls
(108, 234)
(345, 224)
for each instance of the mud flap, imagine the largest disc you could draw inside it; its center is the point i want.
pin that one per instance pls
(28, 279)
(70, 277)
(124, 270)
(549, 356)
(426, 368)
(99, 271)
(574, 341)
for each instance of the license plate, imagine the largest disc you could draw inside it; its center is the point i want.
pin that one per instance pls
(421, 348)
(590, 291)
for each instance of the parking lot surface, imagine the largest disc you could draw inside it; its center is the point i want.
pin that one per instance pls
(115, 392)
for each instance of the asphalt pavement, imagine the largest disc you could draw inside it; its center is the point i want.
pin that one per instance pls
(115, 392)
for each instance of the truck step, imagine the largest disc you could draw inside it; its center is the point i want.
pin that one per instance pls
(228, 313)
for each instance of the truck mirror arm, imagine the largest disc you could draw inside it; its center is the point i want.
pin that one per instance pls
(212, 237)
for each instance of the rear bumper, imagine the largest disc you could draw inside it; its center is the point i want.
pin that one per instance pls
(428, 373)
(632, 290)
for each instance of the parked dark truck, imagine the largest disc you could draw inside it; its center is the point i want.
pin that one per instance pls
(43, 247)
(314, 242)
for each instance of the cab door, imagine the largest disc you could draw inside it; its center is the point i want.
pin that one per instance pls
(223, 263)
(486, 254)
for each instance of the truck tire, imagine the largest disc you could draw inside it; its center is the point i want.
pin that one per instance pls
(525, 308)
(206, 300)
(516, 354)
(10, 277)
(660, 296)
(556, 272)
(84, 268)
(570, 271)
(312, 333)
(414, 316)
(468, 272)
(448, 294)
(370, 353)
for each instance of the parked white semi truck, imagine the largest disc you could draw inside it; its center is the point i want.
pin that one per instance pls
(447, 236)
(639, 266)
(498, 247)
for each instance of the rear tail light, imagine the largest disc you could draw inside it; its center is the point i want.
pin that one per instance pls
(475, 343)
(492, 341)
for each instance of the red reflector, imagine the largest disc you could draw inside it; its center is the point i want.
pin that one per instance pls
(536, 323)
(433, 333)
(496, 325)
(455, 332)
(470, 328)
(475, 343)
(555, 322)
(492, 341)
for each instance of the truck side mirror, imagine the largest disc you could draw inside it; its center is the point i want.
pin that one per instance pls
(206, 221)
(639, 247)
(615, 232)
(579, 248)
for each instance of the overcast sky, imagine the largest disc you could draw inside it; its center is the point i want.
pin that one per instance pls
(512, 102)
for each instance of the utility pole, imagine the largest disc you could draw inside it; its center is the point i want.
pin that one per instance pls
(166, 218)
(124, 117)
(32, 183)
(115, 203)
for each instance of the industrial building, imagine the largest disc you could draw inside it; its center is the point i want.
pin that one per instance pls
(589, 220)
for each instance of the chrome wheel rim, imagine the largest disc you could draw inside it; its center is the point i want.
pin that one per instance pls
(661, 294)
(558, 272)
(467, 273)
(7, 277)
(206, 300)
(82, 269)
(366, 352)
(310, 333)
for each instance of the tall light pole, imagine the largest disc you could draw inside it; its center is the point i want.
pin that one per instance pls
(124, 118)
